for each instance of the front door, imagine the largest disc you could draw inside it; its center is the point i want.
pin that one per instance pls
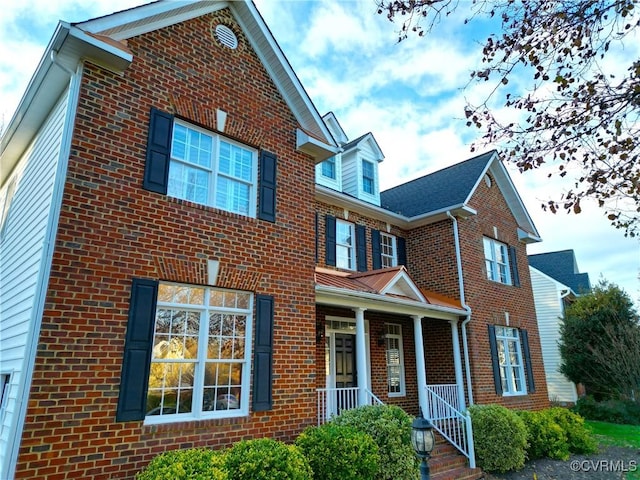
(345, 360)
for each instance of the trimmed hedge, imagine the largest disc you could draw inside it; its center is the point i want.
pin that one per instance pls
(190, 464)
(339, 452)
(545, 438)
(500, 438)
(266, 459)
(390, 428)
(579, 439)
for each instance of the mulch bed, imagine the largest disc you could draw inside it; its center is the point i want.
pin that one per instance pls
(608, 464)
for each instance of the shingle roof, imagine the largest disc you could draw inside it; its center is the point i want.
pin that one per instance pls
(448, 187)
(561, 266)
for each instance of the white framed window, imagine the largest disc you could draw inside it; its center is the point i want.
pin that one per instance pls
(496, 255)
(368, 177)
(329, 168)
(212, 170)
(388, 250)
(5, 382)
(510, 361)
(395, 360)
(345, 245)
(201, 354)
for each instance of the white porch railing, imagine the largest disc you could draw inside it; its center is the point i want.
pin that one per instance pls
(331, 401)
(449, 421)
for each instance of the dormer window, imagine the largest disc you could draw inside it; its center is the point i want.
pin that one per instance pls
(329, 168)
(368, 177)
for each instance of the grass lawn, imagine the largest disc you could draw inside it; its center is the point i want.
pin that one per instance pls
(618, 435)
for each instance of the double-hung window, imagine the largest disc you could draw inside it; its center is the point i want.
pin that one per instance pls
(345, 245)
(510, 361)
(395, 360)
(212, 170)
(201, 354)
(496, 256)
(388, 250)
(368, 177)
(329, 168)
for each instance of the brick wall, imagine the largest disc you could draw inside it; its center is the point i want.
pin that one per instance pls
(111, 230)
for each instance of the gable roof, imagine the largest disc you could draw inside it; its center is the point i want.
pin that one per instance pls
(102, 40)
(451, 188)
(387, 289)
(562, 267)
(362, 141)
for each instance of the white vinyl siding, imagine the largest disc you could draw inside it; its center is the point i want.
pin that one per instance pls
(353, 174)
(24, 260)
(549, 309)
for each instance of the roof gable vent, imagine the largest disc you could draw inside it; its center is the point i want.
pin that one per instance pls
(226, 36)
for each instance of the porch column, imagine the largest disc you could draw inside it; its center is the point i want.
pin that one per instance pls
(361, 358)
(457, 364)
(421, 369)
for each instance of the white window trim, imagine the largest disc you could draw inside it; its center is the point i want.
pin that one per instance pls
(5, 386)
(351, 247)
(398, 337)
(214, 174)
(333, 183)
(197, 413)
(508, 381)
(494, 262)
(394, 248)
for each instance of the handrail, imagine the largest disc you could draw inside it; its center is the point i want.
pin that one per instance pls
(451, 423)
(332, 401)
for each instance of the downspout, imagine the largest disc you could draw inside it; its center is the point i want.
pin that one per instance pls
(465, 348)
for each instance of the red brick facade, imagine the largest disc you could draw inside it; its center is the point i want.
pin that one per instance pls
(112, 230)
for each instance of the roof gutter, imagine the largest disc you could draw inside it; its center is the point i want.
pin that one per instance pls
(463, 326)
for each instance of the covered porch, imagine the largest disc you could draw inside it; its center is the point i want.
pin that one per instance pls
(382, 340)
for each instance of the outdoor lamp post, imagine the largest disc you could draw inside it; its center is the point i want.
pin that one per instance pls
(423, 440)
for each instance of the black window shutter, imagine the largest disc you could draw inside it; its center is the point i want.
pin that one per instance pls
(376, 253)
(267, 187)
(156, 169)
(524, 339)
(495, 363)
(134, 377)
(316, 225)
(263, 355)
(401, 244)
(361, 247)
(330, 243)
(513, 263)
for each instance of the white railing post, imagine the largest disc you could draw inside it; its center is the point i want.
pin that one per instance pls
(361, 357)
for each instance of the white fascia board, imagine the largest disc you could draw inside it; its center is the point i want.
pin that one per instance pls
(354, 299)
(403, 278)
(559, 285)
(319, 150)
(526, 237)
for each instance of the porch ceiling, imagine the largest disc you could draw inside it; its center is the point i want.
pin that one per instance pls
(372, 291)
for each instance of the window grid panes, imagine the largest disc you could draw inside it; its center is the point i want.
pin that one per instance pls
(206, 169)
(388, 250)
(394, 359)
(368, 179)
(510, 360)
(329, 168)
(497, 261)
(200, 358)
(345, 245)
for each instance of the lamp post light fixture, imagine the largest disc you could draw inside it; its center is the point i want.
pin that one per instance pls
(423, 440)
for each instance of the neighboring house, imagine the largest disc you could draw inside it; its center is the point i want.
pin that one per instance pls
(161, 287)
(556, 281)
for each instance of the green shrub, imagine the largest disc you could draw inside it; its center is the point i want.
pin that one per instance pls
(338, 452)
(545, 438)
(266, 459)
(572, 424)
(500, 438)
(190, 464)
(390, 428)
(624, 412)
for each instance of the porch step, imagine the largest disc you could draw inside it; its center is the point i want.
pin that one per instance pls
(447, 463)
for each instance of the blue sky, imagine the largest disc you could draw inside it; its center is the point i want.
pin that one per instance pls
(410, 95)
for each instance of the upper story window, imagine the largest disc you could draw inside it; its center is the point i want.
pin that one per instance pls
(388, 250)
(329, 168)
(496, 256)
(345, 245)
(208, 169)
(201, 354)
(510, 361)
(368, 177)
(395, 360)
